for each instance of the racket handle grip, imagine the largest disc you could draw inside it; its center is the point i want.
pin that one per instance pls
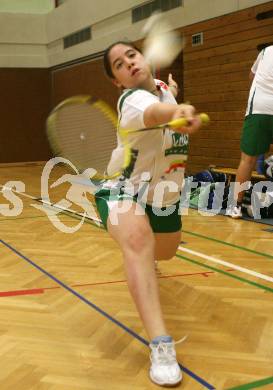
(182, 122)
(204, 118)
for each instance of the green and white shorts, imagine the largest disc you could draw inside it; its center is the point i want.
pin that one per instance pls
(257, 134)
(162, 220)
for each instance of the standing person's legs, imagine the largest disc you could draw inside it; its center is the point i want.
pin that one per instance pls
(256, 138)
(139, 246)
(137, 243)
(243, 175)
(166, 245)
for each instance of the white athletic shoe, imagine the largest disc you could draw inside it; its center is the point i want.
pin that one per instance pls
(165, 370)
(234, 212)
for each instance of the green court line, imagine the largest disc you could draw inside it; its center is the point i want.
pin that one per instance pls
(261, 286)
(229, 244)
(16, 218)
(74, 215)
(70, 214)
(190, 260)
(33, 217)
(254, 385)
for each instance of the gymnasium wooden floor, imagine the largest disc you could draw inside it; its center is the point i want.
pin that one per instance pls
(67, 321)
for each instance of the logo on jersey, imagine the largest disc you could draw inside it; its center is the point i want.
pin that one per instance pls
(180, 143)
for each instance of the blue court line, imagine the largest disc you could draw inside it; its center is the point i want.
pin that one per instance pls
(95, 307)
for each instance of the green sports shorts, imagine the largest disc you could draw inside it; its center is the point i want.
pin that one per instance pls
(257, 134)
(168, 223)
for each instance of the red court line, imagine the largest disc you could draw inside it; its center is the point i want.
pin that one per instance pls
(36, 291)
(33, 291)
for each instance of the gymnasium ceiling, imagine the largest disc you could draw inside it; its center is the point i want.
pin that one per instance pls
(27, 6)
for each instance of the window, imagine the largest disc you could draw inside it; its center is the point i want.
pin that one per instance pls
(265, 15)
(78, 37)
(197, 39)
(145, 11)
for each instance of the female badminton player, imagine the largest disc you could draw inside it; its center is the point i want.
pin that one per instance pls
(143, 214)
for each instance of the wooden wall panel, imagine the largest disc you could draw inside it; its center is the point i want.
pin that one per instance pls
(83, 78)
(213, 77)
(216, 80)
(89, 78)
(25, 101)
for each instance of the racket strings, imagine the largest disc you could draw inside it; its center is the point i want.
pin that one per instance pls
(86, 135)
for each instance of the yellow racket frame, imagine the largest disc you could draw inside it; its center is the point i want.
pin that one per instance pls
(111, 115)
(107, 111)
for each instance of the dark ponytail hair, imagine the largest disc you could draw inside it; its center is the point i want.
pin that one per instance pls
(106, 61)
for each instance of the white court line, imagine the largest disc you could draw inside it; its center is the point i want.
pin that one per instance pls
(18, 192)
(47, 203)
(227, 264)
(199, 254)
(93, 218)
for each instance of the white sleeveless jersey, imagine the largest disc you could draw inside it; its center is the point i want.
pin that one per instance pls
(159, 156)
(260, 99)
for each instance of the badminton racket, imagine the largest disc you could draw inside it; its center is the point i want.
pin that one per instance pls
(84, 130)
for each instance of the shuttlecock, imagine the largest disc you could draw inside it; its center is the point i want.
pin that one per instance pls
(162, 45)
